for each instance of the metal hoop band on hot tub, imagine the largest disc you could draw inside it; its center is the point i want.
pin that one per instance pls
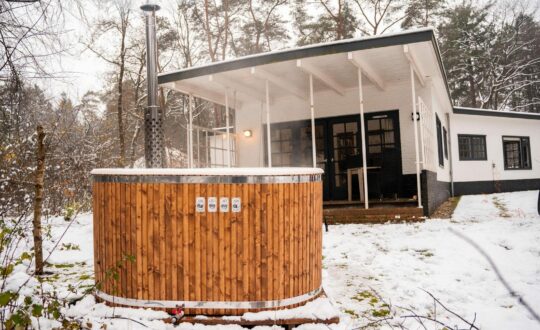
(207, 178)
(209, 304)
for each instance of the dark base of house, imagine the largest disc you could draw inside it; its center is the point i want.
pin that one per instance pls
(434, 192)
(490, 187)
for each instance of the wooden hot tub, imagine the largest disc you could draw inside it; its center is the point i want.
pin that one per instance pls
(218, 241)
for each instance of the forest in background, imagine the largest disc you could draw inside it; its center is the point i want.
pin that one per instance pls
(491, 53)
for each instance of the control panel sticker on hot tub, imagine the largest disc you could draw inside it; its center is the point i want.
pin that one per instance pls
(224, 204)
(212, 204)
(199, 204)
(236, 204)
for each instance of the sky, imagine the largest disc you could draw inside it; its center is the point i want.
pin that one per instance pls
(79, 70)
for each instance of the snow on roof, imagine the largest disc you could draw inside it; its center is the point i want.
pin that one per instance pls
(235, 171)
(493, 112)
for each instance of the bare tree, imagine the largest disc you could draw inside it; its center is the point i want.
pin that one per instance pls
(379, 15)
(116, 26)
(30, 32)
(38, 200)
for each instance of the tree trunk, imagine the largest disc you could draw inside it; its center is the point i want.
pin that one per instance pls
(119, 112)
(119, 104)
(38, 200)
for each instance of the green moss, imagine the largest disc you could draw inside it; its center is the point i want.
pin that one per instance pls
(380, 312)
(70, 247)
(63, 265)
(503, 211)
(351, 312)
(85, 277)
(373, 301)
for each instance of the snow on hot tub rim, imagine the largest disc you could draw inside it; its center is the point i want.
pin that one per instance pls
(232, 171)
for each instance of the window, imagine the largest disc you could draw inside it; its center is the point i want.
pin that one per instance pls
(439, 141)
(472, 147)
(517, 153)
(282, 146)
(445, 136)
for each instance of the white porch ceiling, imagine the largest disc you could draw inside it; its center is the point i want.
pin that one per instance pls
(388, 65)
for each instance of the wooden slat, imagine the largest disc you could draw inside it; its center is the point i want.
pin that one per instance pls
(270, 250)
(186, 243)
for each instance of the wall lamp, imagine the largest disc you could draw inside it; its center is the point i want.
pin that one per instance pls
(248, 133)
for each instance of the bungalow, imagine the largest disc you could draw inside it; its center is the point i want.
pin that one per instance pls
(385, 126)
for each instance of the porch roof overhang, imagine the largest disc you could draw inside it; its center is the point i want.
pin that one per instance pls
(383, 59)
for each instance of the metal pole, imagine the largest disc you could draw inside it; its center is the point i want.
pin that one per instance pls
(417, 156)
(268, 142)
(312, 109)
(363, 138)
(154, 150)
(421, 112)
(198, 148)
(190, 129)
(228, 129)
(207, 147)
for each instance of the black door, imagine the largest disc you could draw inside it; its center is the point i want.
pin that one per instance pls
(344, 152)
(383, 151)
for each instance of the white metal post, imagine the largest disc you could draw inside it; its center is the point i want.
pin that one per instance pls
(421, 112)
(363, 138)
(207, 147)
(198, 148)
(416, 152)
(228, 129)
(312, 109)
(268, 142)
(190, 132)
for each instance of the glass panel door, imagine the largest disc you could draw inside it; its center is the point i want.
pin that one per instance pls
(345, 153)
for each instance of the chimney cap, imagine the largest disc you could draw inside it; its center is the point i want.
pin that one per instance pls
(150, 7)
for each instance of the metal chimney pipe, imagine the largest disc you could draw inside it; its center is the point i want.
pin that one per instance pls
(154, 150)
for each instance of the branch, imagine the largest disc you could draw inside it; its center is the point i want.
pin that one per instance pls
(510, 290)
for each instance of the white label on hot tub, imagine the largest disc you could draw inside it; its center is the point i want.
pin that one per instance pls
(224, 204)
(212, 204)
(199, 204)
(236, 204)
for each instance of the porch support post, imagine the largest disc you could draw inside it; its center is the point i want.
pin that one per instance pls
(312, 109)
(416, 151)
(363, 138)
(268, 142)
(228, 129)
(190, 132)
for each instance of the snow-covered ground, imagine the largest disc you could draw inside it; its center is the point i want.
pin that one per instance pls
(373, 273)
(399, 261)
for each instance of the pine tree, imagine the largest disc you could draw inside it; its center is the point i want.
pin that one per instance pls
(422, 13)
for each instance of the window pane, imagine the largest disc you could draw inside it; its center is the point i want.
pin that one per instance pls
(387, 124)
(373, 125)
(511, 153)
(286, 134)
(464, 148)
(389, 137)
(351, 127)
(286, 146)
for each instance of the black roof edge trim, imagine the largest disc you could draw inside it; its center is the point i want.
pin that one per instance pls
(495, 113)
(299, 53)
